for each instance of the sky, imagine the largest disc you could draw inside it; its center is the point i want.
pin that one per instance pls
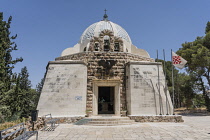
(46, 27)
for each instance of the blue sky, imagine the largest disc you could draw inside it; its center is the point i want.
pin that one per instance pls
(46, 27)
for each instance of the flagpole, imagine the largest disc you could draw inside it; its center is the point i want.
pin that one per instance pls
(207, 60)
(172, 79)
(165, 82)
(159, 85)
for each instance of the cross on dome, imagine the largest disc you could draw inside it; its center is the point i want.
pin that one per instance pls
(105, 16)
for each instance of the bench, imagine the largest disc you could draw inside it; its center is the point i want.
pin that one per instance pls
(17, 132)
(51, 121)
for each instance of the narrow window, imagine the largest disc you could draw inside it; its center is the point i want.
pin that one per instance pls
(96, 46)
(106, 43)
(116, 47)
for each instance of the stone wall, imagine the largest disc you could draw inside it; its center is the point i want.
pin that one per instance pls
(157, 118)
(95, 71)
(144, 97)
(64, 89)
(86, 56)
(40, 123)
(65, 120)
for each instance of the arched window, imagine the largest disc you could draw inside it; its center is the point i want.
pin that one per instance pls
(96, 47)
(85, 49)
(106, 43)
(116, 47)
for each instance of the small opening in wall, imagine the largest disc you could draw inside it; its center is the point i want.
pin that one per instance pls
(116, 47)
(85, 49)
(96, 46)
(106, 43)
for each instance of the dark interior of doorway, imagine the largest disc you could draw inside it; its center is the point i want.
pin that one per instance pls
(105, 100)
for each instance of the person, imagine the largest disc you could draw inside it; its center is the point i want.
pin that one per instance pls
(102, 100)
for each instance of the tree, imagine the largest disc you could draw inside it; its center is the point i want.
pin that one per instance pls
(207, 27)
(38, 91)
(22, 99)
(7, 45)
(185, 87)
(17, 98)
(25, 92)
(206, 40)
(185, 84)
(39, 86)
(197, 53)
(25, 83)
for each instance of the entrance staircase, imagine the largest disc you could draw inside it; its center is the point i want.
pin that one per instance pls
(105, 121)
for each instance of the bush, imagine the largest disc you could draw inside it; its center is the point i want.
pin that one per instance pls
(12, 123)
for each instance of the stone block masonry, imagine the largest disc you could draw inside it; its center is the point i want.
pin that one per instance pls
(146, 94)
(95, 71)
(64, 93)
(157, 118)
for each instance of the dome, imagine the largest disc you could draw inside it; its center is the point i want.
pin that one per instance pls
(105, 36)
(96, 28)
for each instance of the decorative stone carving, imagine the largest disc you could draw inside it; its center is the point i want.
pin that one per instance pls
(111, 36)
(107, 65)
(92, 43)
(118, 39)
(100, 41)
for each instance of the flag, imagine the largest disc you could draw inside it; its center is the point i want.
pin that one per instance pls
(178, 61)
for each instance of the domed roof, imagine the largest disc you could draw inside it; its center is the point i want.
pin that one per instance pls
(96, 28)
(105, 34)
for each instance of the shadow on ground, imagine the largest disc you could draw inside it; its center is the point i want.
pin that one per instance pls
(192, 112)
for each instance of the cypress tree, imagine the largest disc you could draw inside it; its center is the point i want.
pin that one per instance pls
(207, 27)
(25, 83)
(7, 45)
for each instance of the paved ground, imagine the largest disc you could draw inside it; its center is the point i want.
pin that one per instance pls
(194, 128)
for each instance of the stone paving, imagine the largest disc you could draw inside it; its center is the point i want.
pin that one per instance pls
(194, 128)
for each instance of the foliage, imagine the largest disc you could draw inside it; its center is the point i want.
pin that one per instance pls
(184, 89)
(207, 27)
(6, 47)
(25, 83)
(185, 84)
(38, 91)
(11, 123)
(40, 86)
(197, 53)
(199, 101)
(6, 64)
(4, 112)
(17, 98)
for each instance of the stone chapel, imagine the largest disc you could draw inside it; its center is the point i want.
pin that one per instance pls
(104, 73)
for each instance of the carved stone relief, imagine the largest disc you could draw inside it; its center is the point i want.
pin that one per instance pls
(120, 41)
(100, 41)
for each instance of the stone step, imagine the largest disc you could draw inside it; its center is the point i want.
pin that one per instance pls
(109, 121)
(109, 124)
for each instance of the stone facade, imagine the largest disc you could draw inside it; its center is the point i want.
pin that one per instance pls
(146, 89)
(64, 93)
(103, 64)
(95, 71)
